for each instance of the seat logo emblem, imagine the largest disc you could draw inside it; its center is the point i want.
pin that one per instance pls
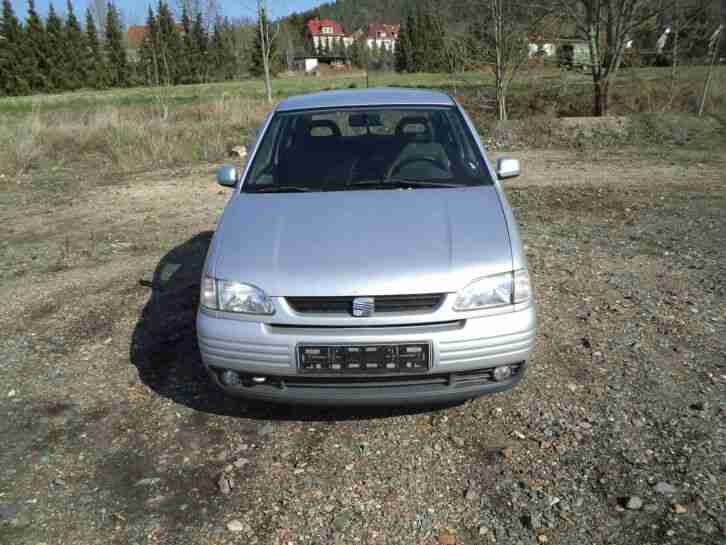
(364, 307)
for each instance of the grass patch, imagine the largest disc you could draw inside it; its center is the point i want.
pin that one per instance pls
(132, 130)
(125, 139)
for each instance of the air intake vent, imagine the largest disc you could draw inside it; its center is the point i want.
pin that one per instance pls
(386, 304)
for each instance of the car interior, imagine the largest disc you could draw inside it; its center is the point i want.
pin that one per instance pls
(329, 150)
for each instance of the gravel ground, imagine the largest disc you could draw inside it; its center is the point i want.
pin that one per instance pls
(112, 434)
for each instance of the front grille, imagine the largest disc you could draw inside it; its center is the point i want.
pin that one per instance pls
(385, 304)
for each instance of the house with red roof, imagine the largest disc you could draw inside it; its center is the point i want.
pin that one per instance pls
(327, 31)
(135, 37)
(382, 36)
(326, 35)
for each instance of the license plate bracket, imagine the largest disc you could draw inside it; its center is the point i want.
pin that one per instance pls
(364, 358)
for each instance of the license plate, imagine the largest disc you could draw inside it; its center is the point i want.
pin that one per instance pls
(364, 358)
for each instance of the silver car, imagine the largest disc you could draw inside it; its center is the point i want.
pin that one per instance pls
(368, 255)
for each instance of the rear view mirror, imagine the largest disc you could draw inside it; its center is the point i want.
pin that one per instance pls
(227, 176)
(507, 167)
(365, 120)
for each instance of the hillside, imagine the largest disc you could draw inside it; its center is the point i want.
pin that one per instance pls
(354, 14)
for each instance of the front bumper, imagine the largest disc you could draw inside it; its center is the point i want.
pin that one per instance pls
(462, 352)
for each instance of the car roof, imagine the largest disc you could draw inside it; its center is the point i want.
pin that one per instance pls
(380, 96)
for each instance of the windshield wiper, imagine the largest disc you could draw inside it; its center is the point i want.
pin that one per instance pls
(401, 183)
(424, 183)
(282, 189)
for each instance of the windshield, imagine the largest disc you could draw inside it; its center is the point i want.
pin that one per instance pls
(366, 148)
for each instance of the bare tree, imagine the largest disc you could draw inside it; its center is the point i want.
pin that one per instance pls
(608, 26)
(98, 10)
(269, 32)
(192, 7)
(211, 12)
(501, 40)
(713, 48)
(681, 23)
(454, 54)
(289, 53)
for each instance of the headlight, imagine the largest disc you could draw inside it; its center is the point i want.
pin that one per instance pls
(494, 291)
(229, 296)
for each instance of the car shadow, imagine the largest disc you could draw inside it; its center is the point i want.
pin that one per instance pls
(165, 352)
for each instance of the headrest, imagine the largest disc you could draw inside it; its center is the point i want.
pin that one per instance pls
(323, 127)
(414, 128)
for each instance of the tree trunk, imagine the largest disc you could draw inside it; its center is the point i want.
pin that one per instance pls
(265, 43)
(709, 75)
(599, 97)
(596, 69)
(501, 100)
(268, 84)
(498, 16)
(674, 65)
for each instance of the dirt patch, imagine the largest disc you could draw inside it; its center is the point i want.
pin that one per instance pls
(113, 434)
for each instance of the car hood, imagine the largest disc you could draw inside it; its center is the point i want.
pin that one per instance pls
(362, 242)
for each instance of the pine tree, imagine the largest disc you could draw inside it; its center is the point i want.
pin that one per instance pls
(148, 52)
(35, 51)
(415, 54)
(234, 65)
(360, 53)
(95, 65)
(403, 49)
(118, 69)
(422, 39)
(386, 59)
(75, 49)
(56, 53)
(200, 45)
(353, 53)
(217, 54)
(433, 46)
(7, 68)
(12, 78)
(186, 57)
(170, 46)
(374, 53)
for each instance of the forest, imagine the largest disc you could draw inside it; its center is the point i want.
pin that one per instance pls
(182, 46)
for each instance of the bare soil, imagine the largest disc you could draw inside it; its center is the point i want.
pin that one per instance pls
(112, 434)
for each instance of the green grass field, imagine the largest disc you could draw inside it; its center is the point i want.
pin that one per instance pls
(250, 88)
(548, 77)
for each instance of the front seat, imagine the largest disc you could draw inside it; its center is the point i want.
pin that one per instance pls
(319, 157)
(414, 133)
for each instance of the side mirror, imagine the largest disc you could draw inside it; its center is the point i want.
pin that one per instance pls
(227, 176)
(507, 167)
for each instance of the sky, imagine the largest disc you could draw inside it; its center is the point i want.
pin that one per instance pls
(134, 11)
